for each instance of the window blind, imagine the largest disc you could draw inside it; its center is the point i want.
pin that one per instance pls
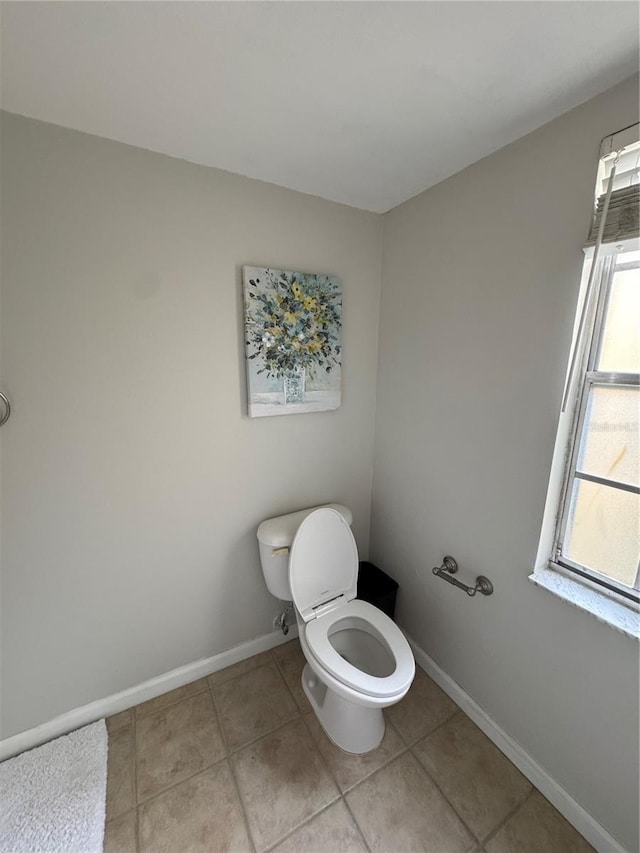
(621, 150)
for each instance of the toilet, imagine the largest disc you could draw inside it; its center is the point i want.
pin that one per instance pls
(358, 660)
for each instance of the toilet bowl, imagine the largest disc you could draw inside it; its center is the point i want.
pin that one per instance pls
(358, 660)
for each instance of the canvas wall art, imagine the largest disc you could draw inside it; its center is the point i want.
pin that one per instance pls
(293, 336)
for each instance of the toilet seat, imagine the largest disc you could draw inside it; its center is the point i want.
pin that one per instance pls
(373, 621)
(323, 574)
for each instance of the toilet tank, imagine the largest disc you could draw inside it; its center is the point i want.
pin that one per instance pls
(275, 536)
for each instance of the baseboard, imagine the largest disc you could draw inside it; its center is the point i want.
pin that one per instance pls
(577, 816)
(86, 714)
(586, 825)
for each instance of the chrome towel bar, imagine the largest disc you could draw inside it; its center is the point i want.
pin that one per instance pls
(449, 567)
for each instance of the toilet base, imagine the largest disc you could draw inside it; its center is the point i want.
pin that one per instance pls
(353, 728)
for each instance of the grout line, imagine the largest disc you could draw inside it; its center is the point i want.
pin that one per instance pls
(193, 775)
(407, 747)
(134, 750)
(207, 686)
(137, 829)
(284, 678)
(237, 749)
(166, 790)
(213, 687)
(386, 763)
(403, 752)
(389, 761)
(299, 716)
(245, 816)
(439, 725)
(240, 674)
(132, 766)
(169, 704)
(307, 820)
(513, 811)
(228, 752)
(353, 818)
(384, 766)
(474, 837)
(218, 716)
(323, 760)
(477, 841)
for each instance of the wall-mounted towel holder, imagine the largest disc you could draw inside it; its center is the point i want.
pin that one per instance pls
(449, 567)
(7, 409)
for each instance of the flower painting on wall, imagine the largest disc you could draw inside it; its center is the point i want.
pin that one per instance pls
(293, 324)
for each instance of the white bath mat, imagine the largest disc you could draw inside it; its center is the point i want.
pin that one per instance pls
(52, 799)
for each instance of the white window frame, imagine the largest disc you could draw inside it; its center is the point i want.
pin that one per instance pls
(587, 376)
(579, 590)
(583, 588)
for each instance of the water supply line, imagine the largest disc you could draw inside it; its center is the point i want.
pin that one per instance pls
(282, 619)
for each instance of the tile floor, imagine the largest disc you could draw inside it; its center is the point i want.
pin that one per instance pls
(238, 762)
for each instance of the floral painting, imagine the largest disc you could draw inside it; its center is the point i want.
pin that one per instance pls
(293, 325)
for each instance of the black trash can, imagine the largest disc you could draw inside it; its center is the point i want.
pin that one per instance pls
(377, 588)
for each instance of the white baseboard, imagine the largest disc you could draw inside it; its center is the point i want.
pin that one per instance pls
(86, 714)
(586, 825)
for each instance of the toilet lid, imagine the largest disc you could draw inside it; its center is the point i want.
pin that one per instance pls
(323, 561)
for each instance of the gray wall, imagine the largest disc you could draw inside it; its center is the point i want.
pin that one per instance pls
(133, 481)
(480, 281)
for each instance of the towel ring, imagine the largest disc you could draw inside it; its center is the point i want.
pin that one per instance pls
(7, 409)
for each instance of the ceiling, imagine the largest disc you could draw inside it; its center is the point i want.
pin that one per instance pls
(365, 103)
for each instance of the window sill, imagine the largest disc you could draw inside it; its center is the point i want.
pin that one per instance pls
(623, 619)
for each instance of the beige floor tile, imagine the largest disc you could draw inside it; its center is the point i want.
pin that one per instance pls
(285, 649)
(348, 769)
(481, 784)
(170, 698)
(119, 721)
(423, 708)
(253, 704)
(291, 661)
(175, 743)
(120, 780)
(332, 831)
(200, 815)
(282, 781)
(537, 827)
(239, 668)
(120, 834)
(399, 808)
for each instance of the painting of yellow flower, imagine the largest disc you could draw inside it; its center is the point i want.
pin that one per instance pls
(293, 326)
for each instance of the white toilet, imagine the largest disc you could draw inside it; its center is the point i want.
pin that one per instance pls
(358, 660)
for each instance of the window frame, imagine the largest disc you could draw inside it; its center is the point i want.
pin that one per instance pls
(586, 378)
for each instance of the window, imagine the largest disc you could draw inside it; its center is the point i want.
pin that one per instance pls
(594, 494)
(598, 534)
